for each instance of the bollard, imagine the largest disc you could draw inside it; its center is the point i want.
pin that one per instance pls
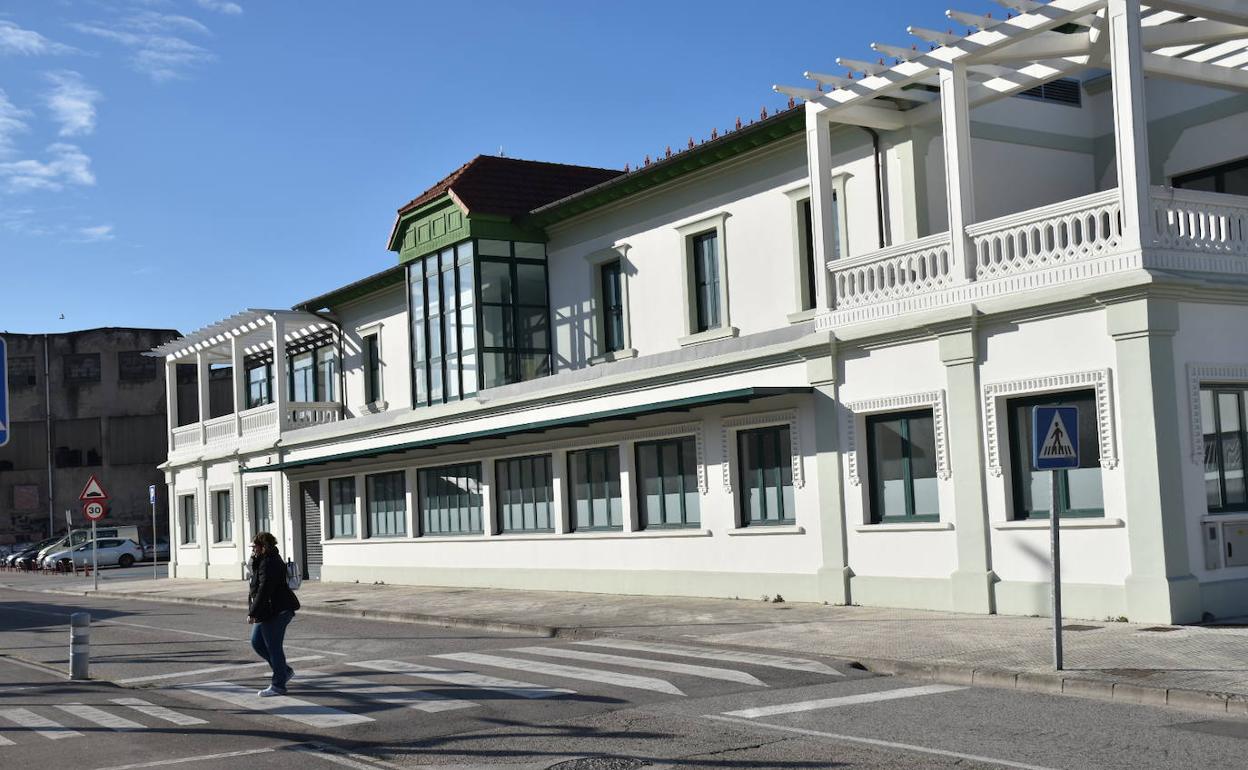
(79, 644)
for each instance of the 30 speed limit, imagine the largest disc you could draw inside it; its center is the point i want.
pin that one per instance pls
(93, 511)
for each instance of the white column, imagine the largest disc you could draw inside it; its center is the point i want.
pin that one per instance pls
(1130, 120)
(171, 397)
(819, 166)
(201, 373)
(490, 523)
(174, 530)
(959, 182)
(281, 393)
(238, 362)
(559, 490)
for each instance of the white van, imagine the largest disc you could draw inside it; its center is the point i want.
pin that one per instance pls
(80, 536)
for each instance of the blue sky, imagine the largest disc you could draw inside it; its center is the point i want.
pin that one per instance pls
(166, 163)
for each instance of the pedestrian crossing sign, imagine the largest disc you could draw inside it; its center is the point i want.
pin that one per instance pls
(1054, 437)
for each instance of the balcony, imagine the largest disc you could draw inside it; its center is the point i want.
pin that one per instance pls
(258, 422)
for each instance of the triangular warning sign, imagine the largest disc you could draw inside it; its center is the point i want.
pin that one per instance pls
(93, 490)
(1057, 444)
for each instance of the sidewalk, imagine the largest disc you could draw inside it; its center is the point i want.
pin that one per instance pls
(1193, 667)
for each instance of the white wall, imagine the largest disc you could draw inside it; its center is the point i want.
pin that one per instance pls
(383, 313)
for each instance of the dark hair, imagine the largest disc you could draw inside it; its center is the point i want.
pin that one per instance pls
(265, 539)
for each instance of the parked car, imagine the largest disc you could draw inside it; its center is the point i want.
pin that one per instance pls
(161, 550)
(111, 551)
(28, 558)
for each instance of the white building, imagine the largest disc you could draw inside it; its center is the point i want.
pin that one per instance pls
(795, 359)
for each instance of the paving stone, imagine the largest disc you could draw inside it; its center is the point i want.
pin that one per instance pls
(1197, 700)
(991, 677)
(1136, 693)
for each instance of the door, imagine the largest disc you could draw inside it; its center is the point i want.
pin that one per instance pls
(310, 529)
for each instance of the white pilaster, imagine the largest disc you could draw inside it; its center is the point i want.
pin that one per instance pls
(959, 186)
(171, 399)
(281, 392)
(1130, 120)
(201, 384)
(819, 165)
(238, 362)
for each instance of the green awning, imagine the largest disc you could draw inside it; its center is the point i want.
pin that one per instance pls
(738, 396)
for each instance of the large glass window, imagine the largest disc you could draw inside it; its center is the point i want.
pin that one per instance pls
(1078, 489)
(766, 476)
(259, 383)
(525, 495)
(260, 521)
(1223, 425)
(444, 325)
(190, 522)
(386, 499)
(327, 373)
(612, 306)
(706, 280)
(450, 499)
(302, 377)
(901, 452)
(342, 507)
(1230, 178)
(515, 317)
(667, 483)
(594, 483)
(223, 517)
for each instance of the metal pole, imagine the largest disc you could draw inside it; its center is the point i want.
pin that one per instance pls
(95, 563)
(79, 644)
(1055, 552)
(155, 551)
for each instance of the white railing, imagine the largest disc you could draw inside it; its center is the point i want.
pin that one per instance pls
(302, 414)
(892, 273)
(1205, 222)
(258, 420)
(186, 436)
(219, 429)
(1069, 231)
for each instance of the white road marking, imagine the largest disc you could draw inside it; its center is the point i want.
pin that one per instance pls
(100, 717)
(159, 712)
(882, 744)
(631, 681)
(714, 653)
(42, 725)
(708, 672)
(5, 741)
(385, 693)
(844, 700)
(464, 678)
(334, 757)
(210, 670)
(183, 760)
(294, 709)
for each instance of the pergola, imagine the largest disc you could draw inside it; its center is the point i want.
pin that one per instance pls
(1196, 41)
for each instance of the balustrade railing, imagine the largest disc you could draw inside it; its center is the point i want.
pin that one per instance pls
(892, 273)
(259, 419)
(302, 414)
(1069, 231)
(219, 429)
(1205, 222)
(186, 436)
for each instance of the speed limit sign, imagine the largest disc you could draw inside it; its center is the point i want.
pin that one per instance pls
(94, 511)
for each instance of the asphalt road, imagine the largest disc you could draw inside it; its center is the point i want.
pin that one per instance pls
(174, 685)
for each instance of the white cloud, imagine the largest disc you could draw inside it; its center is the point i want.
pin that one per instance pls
(11, 122)
(67, 164)
(27, 42)
(220, 6)
(72, 102)
(95, 234)
(159, 51)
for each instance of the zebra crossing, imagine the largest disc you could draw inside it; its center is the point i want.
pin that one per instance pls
(448, 682)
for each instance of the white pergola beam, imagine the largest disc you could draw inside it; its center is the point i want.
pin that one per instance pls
(833, 81)
(1229, 11)
(1022, 6)
(972, 19)
(1193, 33)
(1050, 45)
(1196, 72)
(933, 36)
(896, 51)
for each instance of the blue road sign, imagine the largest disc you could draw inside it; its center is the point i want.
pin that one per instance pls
(4, 393)
(1054, 437)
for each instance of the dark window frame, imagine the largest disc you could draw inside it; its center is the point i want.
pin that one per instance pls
(784, 454)
(135, 366)
(23, 372)
(503, 489)
(218, 521)
(1020, 462)
(1218, 173)
(810, 268)
(875, 492)
(1240, 391)
(68, 362)
(265, 385)
(372, 367)
(370, 481)
(334, 529)
(253, 497)
(189, 519)
(466, 503)
(643, 514)
(609, 454)
(702, 285)
(611, 284)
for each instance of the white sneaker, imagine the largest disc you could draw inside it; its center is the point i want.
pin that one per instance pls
(270, 692)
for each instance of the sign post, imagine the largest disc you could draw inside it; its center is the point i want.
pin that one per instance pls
(151, 498)
(93, 498)
(1054, 448)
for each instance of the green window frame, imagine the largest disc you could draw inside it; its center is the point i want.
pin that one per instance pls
(594, 500)
(450, 499)
(1080, 491)
(260, 517)
(765, 471)
(444, 332)
(706, 280)
(341, 507)
(809, 267)
(667, 483)
(312, 374)
(513, 289)
(372, 368)
(386, 500)
(259, 382)
(190, 520)
(526, 498)
(901, 467)
(1224, 426)
(223, 517)
(611, 278)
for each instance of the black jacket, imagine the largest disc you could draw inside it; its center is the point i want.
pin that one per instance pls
(269, 595)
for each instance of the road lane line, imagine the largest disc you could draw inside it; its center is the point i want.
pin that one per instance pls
(631, 681)
(31, 721)
(708, 672)
(880, 743)
(844, 700)
(183, 760)
(385, 693)
(100, 717)
(5, 741)
(294, 709)
(715, 653)
(210, 670)
(464, 678)
(159, 712)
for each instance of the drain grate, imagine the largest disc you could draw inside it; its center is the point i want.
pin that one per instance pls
(1161, 629)
(1077, 627)
(600, 763)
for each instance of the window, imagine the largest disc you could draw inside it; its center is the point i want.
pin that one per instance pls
(667, 483)
(313, 373)
(1222, 421)
(450, 499)
(326, 373)
(386, 495)
(260, 519)
(342, 507)
(612, 306)
(134, 366)
(515, 317)
(766, 476)
(223, 517)
(594, 481)
(302, 377)
(525, 494)
(442, 293)
(22, 373)
(1230, 178)
(259, 383)
(190, 523)
(82, 367)
(77, 443)
(372, 368)
(901, 454)
(1078, 489)
(806, 242)
(706, 281)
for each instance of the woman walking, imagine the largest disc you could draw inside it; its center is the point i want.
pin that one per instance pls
(271, 607)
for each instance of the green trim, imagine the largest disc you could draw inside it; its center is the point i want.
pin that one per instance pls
(442, 223)
(738, 396)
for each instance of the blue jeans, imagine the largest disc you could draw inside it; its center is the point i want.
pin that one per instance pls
(266, 640)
